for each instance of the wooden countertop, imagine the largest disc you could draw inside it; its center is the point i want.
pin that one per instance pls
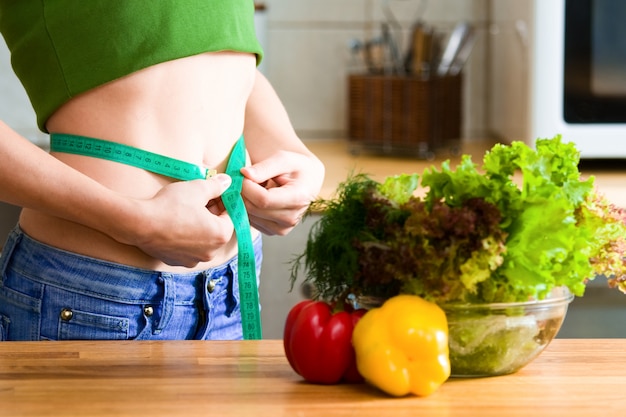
(341, 158)
(577, 377)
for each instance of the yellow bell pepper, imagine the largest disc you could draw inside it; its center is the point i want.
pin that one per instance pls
(402, 346)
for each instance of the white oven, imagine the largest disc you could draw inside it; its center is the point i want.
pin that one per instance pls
(572, 79)
(579, 74)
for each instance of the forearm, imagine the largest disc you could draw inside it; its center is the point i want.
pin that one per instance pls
(31, 178)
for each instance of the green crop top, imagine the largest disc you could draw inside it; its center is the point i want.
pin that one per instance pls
(61, 48)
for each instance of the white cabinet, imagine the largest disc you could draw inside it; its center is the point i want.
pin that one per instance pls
(274, 291)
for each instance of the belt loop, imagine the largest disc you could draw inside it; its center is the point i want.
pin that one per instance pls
(169, 300)
(7, 251)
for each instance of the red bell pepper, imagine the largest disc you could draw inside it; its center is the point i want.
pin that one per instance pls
(318, 342)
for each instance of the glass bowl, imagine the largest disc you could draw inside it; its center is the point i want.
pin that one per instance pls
(501, 338)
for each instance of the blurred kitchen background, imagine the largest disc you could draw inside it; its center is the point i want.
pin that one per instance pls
(311, 50)
(312, 47)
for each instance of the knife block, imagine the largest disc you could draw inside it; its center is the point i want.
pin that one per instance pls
(403, 114)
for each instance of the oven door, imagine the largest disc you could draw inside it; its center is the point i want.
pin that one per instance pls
(594, 61)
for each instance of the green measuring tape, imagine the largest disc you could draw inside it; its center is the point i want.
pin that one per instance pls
(128, 155)
(185, 171)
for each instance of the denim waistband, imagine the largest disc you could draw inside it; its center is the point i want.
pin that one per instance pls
(100, 277)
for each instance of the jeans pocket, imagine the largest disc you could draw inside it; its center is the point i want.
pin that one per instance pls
(81, 325)
(22, 309)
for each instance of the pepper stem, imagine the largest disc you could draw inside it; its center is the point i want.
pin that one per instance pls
(340, 302)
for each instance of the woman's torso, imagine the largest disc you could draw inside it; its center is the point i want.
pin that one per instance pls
(190, 109)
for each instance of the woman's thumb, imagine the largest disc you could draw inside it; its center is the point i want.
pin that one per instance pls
(223, 179)
(212, 187)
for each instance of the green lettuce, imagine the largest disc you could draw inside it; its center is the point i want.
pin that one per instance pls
(514, 228)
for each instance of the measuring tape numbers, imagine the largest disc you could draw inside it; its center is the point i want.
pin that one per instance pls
(246, 265)
(185, 171)
(117, 152)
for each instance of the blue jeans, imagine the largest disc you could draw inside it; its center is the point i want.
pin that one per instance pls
(51, 294)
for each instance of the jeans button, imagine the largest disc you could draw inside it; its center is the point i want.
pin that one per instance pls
(148, 311)
(210, 286)
(66, 314)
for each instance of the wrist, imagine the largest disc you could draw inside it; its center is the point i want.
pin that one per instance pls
(125, 221)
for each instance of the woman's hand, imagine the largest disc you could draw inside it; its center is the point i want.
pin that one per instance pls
(278, 190)
(284, 176)
(185, 222)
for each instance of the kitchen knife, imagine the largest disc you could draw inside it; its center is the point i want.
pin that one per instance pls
(460, 32)
(419, 54)
(464, 52)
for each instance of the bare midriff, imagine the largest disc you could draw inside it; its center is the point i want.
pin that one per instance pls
(190, 109)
